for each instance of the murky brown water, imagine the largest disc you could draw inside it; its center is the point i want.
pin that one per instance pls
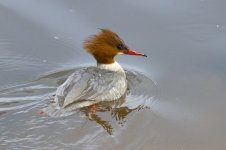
(180, 105)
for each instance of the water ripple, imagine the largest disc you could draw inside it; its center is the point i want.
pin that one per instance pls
(32, 131)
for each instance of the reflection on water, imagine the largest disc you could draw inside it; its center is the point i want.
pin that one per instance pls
(116, 111)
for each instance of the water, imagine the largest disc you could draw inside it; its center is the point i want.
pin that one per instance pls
(182, 106)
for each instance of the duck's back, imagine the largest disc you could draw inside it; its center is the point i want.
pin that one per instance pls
(91, 84)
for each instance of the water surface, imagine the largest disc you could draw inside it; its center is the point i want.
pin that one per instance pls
(185, 42)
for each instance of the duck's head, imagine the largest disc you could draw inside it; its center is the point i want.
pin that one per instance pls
(105, 45)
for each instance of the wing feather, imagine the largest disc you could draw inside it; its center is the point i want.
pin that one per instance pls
(91, 84)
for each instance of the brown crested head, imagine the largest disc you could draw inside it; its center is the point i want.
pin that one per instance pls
(105, 45)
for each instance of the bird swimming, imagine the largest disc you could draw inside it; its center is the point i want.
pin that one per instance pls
(104, 82)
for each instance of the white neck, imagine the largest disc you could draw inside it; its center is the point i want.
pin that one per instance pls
(113, 67)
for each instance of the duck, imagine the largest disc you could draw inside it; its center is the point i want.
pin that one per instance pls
(104, 82)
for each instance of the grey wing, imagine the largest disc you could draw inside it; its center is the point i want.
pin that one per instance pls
(91, 84)
(67, 90)
(107, 85)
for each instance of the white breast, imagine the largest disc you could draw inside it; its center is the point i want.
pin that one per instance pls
(112, 67)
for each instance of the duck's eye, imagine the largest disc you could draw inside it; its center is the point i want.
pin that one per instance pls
(120, 47)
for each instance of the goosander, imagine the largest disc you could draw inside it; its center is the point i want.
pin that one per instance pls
(104, 82)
